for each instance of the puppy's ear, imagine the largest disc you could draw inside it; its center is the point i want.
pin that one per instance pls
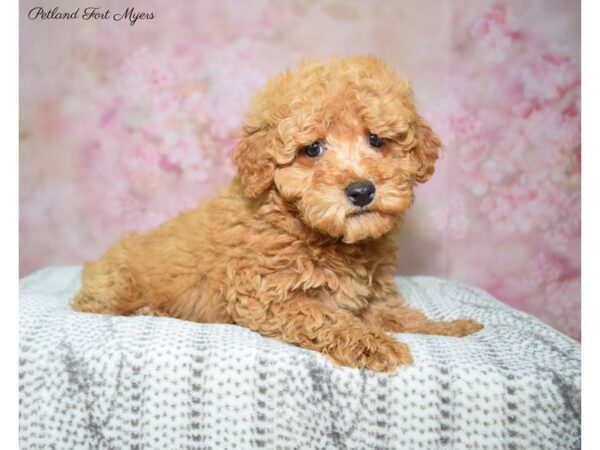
(426, 150)
(252, 156)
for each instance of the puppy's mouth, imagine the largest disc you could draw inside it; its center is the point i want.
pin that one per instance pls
(360, 212)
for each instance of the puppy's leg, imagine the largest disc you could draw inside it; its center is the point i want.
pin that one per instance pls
(404, 319)
(389, 311)
(334, 332)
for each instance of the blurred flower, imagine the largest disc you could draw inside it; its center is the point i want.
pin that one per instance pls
(451, 218)
(494, 33)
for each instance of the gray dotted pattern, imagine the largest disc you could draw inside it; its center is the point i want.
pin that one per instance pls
(101, 382)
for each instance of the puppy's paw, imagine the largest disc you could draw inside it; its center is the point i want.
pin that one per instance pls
(463, 327)
(387, 356)
(372, 350)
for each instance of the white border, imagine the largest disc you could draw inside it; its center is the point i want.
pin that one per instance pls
(590, 223)
(9, 124)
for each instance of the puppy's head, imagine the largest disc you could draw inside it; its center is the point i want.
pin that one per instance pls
(342, 142)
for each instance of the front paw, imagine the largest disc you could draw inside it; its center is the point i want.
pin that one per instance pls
(372, 350)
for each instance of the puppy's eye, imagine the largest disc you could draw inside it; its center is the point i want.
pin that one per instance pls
(315, 149)
(375, 141)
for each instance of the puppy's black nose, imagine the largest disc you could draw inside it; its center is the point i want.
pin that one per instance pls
(361, 193)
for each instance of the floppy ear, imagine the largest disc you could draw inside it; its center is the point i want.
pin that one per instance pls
(426, 150)
(252, 156)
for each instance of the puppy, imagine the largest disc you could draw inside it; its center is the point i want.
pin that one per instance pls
(299, 245)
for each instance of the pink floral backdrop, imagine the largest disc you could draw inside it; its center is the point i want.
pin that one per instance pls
(123, 126)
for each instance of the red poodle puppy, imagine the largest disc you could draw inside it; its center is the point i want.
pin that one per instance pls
(299, 245)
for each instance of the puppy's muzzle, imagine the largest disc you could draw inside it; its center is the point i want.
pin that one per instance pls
(361, 193)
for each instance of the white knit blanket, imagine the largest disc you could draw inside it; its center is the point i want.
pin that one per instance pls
(98, 382)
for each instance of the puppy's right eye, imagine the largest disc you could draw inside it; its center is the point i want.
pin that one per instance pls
(375, 141)
(313, 150)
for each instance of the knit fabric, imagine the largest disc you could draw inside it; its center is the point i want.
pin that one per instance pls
(104, 382)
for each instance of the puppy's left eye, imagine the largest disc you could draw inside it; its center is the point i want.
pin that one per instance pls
(375, 141)
(313, 150)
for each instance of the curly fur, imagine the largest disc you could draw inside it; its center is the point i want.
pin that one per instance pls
(282, 250)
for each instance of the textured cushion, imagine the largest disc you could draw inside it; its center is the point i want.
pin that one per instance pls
(94, 381)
